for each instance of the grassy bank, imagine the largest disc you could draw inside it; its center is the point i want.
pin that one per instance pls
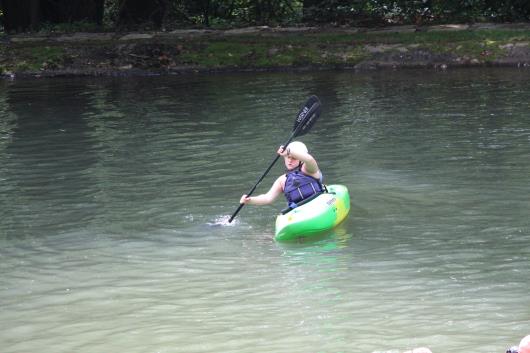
(262, 49)
(338, 49)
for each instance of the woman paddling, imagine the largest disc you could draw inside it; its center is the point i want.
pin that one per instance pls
(302, 180)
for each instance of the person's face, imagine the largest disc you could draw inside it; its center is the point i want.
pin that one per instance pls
(290, 162)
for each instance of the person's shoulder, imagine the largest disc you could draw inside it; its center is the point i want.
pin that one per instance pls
(281, 178)
(280, 181)
(315, 174)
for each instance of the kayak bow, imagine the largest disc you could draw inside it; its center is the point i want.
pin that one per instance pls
(318, 215)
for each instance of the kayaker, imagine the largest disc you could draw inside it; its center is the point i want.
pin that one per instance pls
(302, 180)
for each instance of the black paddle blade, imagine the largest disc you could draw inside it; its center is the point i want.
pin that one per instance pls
(307, 116)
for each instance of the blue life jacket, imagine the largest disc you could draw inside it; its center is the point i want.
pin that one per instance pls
(300, 186)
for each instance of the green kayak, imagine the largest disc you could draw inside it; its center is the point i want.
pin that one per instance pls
(320, 214)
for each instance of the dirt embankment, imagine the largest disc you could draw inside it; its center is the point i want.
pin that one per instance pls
(265, 48)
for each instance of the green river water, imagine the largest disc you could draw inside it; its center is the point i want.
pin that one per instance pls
(114, 195)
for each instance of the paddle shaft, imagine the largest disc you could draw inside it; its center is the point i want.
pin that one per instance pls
(295, 132)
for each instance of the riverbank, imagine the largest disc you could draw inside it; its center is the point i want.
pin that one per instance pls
(264, 48)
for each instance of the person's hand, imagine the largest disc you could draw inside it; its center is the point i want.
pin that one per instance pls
(282, 152)
(245, 199)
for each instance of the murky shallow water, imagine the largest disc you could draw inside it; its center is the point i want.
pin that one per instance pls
(112, 193)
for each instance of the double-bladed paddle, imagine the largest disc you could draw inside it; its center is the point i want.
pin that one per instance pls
(306, 118)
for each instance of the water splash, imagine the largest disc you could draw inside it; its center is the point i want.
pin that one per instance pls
(223, 221)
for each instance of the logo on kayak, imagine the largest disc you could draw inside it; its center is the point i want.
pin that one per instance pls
(332, 201)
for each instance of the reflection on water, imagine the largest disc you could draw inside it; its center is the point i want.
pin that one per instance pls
(115, 195)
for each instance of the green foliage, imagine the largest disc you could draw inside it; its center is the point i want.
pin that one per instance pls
(47, 54)
(262, 52)
(418, 12)
(222, 14)
(240, 12)
(37, 58)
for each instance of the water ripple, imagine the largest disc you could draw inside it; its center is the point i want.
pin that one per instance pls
(115, 196)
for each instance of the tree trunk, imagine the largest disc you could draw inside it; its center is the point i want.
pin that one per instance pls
(137, 12)
(66, 11)
(308, 9)
(100, 8)
(20, 15)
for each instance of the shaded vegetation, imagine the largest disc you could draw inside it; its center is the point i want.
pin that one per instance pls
(49, 15)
